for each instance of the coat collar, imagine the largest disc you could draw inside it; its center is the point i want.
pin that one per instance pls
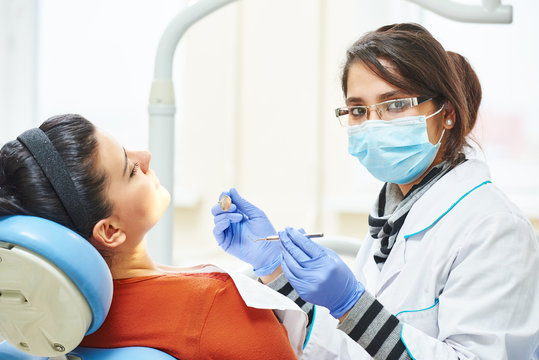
(443, 196)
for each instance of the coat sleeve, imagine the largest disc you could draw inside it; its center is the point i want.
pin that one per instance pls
(368, 329)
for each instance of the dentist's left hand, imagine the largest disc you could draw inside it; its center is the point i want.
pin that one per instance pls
(237, 229)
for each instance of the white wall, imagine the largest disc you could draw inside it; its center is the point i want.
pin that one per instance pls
(96, 59)
(18, 67)
(256, 85)
(506, 59)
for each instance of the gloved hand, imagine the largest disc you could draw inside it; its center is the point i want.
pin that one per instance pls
(237, 229)
(318, 274)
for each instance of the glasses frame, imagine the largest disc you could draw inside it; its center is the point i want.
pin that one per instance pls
(342, 111)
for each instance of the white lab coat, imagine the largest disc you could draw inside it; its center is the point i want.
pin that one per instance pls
(462, 277)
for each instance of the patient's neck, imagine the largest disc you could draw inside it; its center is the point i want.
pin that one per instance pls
(132, 262)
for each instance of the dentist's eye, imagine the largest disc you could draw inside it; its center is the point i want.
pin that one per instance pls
(398, 105)
(358, 111)
(135, 169)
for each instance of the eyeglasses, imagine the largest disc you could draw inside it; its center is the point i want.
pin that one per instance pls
(387, 110)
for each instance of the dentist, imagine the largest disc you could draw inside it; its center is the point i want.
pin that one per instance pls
(449, 267)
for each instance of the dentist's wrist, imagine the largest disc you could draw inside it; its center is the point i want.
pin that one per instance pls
(267, 269)
(266, 279)
(341, 310)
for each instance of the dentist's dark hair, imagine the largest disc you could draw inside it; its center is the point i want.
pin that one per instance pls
(25, 190)
(420, 65)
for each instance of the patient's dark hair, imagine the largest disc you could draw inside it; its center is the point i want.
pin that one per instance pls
(24, 189)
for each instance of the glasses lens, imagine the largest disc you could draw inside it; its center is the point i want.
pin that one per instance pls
(397, 108)
(387, 110)
(352, 115)
(342, 115)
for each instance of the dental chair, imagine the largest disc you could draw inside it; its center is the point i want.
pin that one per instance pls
(55, 288)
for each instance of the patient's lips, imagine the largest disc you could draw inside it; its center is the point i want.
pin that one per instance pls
(156, 179)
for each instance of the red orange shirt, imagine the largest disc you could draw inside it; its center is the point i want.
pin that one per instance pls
(190, 316)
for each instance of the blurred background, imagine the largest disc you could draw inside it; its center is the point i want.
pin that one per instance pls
(256, 83)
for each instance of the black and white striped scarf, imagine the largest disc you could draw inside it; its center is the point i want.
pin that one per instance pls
(391, 209)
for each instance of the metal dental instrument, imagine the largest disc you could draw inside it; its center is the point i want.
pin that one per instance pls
(224, 202)
(276, 237)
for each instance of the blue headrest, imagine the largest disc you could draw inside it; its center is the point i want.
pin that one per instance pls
(75, 256)
(9, 352)
(131, 353)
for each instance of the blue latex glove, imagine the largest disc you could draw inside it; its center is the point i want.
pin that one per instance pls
(318, 274)
(237, 229)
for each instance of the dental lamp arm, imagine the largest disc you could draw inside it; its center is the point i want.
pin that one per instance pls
(162, 111)
(491, 11)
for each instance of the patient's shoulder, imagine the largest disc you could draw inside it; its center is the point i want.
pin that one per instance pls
(211, 275)
(174, 282)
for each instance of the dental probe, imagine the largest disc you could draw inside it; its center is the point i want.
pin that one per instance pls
(224, 203)
(276, 237)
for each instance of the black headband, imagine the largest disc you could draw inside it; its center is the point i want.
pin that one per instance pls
(54, 168)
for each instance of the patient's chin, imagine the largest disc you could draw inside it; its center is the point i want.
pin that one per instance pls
(162, 203)
(165, 195)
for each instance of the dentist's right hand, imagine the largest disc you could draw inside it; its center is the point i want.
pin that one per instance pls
(318, 274)
(237, 229)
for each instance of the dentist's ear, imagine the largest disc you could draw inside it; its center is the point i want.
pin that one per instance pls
(107, 235)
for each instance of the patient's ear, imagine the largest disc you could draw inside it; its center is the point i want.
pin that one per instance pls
(107, 235)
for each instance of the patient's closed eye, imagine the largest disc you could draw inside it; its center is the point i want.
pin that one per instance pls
(134, 170)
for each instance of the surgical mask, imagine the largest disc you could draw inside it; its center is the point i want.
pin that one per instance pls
(396, 151)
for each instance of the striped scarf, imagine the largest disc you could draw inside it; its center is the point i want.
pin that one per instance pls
(391, 209)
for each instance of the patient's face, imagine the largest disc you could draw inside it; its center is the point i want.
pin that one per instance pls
(138, 199)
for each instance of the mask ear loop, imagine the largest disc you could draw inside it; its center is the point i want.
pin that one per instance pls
(440, 141)
(435, 113)
(443, 130)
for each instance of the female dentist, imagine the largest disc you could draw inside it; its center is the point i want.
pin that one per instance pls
(449, 267)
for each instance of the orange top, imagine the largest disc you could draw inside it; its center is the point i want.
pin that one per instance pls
(190, 316)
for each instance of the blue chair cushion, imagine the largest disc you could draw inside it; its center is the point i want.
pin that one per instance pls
(9, 352)
(128, 353)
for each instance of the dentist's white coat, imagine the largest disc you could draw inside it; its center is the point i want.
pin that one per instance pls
(463, 276)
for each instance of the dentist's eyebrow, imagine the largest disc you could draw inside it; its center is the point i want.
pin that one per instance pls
(126, 162)
(381, 97)
(353, 100)
(390, 94)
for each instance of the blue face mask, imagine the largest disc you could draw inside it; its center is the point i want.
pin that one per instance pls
(396, 151)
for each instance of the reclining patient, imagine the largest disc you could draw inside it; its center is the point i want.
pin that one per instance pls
(189, 315)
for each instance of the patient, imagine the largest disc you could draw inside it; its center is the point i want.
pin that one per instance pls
(117, 201)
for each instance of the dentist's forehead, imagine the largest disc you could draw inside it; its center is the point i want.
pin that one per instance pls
(364, 85)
